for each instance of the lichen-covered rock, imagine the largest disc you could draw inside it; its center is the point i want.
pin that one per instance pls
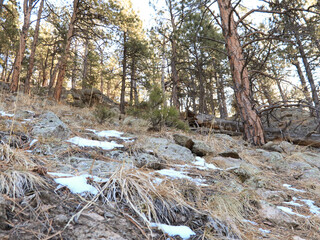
(226, 162)
(200, 148)
(312, 158)
(49, 125)
(167, 150)
(275, 215)
(147, 160)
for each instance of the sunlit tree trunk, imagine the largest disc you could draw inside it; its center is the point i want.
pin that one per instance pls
(253, 130)
(124, 73)
(27, 7)
(303, 81)
(33, 50)
(65, 54)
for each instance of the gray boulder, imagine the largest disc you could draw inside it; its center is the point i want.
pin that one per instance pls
(199, 148)
(49, 125)
(312, 158)
(147, 160)
(275, 215)
(167, 150)
(183, 140)
(311, 174)
(226, 162)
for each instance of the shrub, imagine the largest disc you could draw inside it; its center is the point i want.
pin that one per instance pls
(163, 116)
(102, 113)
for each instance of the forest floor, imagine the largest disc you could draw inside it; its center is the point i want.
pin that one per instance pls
(64, 176)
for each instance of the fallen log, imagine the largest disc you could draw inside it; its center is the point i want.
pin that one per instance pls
(206, 124)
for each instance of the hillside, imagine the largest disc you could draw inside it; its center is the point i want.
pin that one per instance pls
(64, 176)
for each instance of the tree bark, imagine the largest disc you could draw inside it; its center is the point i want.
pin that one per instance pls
(27, 7)
(74, 69)
(253, 129)
(4, 68)
(174, 72)
(85, 64)
(1, 5)
(306, 64)
(64, 58)
(124, 73)
(163, 67)
(133, 79)
(33, 50)
(101, 71)
(44, 69)
(303, 81)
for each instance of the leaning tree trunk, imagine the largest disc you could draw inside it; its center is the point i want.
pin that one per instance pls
(253, 130)
(306, 64)
(27, 7)
(64, 58)
(124, 73)
(303, 81)
(33, 50)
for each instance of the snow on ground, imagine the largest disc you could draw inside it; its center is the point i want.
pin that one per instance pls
(249, 221)
(82, 142)
(313, 208)
(289, 211)
(77, 184)
(183, 231)
(201, 162)
(110, 133)
(264, 230)
(2, 113)
(293, 189)
(180, 175)
(33, 142)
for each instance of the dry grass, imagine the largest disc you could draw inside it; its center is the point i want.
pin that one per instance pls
(16, 172)
(152, 203)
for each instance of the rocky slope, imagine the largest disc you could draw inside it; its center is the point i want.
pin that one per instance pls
(63, 176)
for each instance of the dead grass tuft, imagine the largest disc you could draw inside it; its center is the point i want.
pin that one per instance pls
(135, 190)
(16, 173)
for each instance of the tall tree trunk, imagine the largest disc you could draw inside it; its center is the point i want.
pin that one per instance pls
(27, 7)
(251, 121)
(133, 79)
(74, 69)
(64, 58)
(221, 97)
(1, 5)
(4, 68)
(44, 69)
(33, 50)
(124, 73)
(163, 67)
(174, 58)
(306, 64)
(85, 64)
(303, 81)
(101, 71)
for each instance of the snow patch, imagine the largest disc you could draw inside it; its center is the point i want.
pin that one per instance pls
(249, 221)
(293, 189)
(82, 142)
(111, 133)
(201, 162)
(2, 113)
(313, 208)
(183, 231)
(77, 184)
(264, 231)
(180, 175)
(289, 211)
(33, 142)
